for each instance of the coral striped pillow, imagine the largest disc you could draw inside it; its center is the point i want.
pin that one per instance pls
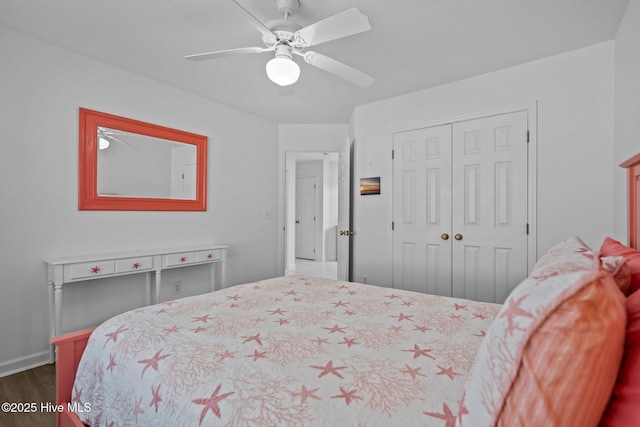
(552, 354)
(611, 247)
(624, 407)
(619, 269)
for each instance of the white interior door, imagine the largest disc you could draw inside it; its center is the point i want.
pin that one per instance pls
(344, 220)
(306, 217)
(460, 208)
(422, 210)
(490, 215)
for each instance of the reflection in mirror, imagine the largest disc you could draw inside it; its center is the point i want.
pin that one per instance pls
(126, 164)
(134, 165)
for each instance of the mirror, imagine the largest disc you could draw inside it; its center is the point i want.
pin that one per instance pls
(126, 164)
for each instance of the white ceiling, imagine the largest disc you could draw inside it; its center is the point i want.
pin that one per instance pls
(413, 44)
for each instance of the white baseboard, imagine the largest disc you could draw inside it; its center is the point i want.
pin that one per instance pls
(23, 363)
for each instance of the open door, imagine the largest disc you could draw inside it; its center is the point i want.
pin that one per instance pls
(344, 212)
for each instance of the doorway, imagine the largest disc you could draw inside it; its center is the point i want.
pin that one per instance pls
(312, 202)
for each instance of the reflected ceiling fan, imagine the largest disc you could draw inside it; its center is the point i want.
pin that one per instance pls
(106, 136)
(286, 38)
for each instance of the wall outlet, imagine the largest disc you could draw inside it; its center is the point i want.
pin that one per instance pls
(365, 278)
(177, 287)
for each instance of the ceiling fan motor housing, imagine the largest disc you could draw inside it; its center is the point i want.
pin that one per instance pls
(284, 30)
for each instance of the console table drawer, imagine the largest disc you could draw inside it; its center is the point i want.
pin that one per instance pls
(83, 271)
(211, 255)
(174, 260)
(134, 264)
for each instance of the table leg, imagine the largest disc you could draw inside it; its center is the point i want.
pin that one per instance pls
(148, 287)
(223, 274)
(158, 286)
(212, 271)
(52, 322)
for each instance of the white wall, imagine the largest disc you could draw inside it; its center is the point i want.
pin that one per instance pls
(574, 95)
(627, 108)
(41, 88)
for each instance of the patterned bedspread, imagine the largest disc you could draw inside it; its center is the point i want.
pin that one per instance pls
(290, 351)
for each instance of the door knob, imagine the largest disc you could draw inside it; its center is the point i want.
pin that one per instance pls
(458, 236)
(444, 236)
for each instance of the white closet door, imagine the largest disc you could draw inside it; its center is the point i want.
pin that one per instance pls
(422, 210)
(489, 206)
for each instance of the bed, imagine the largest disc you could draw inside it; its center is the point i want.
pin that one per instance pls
(298, 350)
(287, 351)
(563, 350)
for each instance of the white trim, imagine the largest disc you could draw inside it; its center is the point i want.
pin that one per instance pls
(466, 117)
(20, 364)
(532, 117)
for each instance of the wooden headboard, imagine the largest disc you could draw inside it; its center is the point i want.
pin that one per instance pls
(633, 165)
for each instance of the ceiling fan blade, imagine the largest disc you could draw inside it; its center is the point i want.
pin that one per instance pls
(338, 69)
(228, 52)
(112, 138)
(343, 24)
(267, 35)
(109, 135)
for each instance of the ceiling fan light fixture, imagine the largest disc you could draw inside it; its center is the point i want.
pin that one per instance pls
(282, 70)
(103, 143)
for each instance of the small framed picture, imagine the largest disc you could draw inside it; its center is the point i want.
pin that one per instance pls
(369, 186)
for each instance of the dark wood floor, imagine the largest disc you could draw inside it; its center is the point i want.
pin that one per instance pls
(37, 386)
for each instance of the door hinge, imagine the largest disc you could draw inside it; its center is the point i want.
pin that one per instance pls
(182, 176)
(527, 228)
(393, 225)
(393, 154)
(528, 135)
(314, 218)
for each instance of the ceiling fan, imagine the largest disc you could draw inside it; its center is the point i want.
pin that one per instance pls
(286, 38)
(106, 136)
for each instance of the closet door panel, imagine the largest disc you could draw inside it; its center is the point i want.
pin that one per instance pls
(489, 198)
(422, 210)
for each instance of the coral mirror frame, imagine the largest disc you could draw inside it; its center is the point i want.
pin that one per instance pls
(88, 197)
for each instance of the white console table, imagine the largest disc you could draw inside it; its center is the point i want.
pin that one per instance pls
(80, 268)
